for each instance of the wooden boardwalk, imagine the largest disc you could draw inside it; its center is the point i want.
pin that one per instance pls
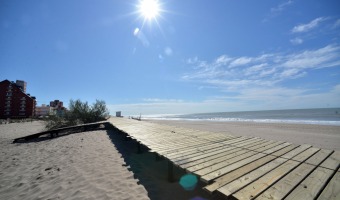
(242, 167)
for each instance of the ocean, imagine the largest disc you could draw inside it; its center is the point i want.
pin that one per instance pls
(321, 116)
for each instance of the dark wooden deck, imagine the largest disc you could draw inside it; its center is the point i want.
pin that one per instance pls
(57, 132)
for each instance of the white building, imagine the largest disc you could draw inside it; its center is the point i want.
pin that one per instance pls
(43, 110)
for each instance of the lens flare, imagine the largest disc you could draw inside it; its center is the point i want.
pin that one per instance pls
(188, 181)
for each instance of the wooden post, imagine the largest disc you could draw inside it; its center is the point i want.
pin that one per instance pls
(139, 149)
(170, 171)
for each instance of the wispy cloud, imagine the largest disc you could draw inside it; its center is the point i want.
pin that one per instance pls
(296, 41)
(237, 73)
(309, 26)
(158, 100)
(281, 7)
(277, 10)
(248, 99)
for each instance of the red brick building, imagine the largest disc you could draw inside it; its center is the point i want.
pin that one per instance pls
(14, 102)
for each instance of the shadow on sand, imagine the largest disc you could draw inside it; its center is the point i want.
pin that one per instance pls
(152, 172)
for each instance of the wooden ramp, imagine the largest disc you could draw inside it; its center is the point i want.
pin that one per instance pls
(242, 167)
(59, 131)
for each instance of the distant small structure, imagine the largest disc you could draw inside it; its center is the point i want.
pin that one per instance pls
(57, 108)
(43, 110)
(119, 114)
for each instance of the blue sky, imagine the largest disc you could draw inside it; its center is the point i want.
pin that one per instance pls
(195, 56)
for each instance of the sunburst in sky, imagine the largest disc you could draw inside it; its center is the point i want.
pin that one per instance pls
(175, 57)
(149, 9)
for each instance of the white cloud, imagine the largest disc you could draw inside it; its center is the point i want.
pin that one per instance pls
(311, 59)
(309, 26)
(222, 60)
(275, 11)
(240, 61)
(296, 41)
(161, 100)
(255, 69)
(252, 98)
(262, 70)
(281, 7)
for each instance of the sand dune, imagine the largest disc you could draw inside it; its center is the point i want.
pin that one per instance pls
(79, 166)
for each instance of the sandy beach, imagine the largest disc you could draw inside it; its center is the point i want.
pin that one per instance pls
(99, 164)
(78, 166)
(102, 164)
(321, 136)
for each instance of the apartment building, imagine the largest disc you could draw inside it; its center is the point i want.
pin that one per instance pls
(14, 102)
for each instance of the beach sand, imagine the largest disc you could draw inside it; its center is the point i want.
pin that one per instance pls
(321, 136)
(103, 164)
(78, 166)
(99, 164)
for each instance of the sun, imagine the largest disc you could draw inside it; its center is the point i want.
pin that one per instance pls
(149, 9)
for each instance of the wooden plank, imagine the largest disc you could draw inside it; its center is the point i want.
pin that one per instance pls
(285, 185)
(332, 162)
(197, 151)
(312, 185)
(246, 179)
(332, 190)
(204, 159)
(261, 184)
(190, 151)
(210, 176)
(246, 169)
(209, 168)
(216, 154)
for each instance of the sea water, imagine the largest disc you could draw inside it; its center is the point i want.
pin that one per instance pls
(322, 116)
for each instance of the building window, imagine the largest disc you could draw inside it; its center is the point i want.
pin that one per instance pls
(6, 113)
(9, 94)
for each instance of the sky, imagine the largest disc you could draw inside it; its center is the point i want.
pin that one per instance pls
(191, 56)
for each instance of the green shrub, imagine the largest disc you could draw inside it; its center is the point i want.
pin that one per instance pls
(79, 113)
